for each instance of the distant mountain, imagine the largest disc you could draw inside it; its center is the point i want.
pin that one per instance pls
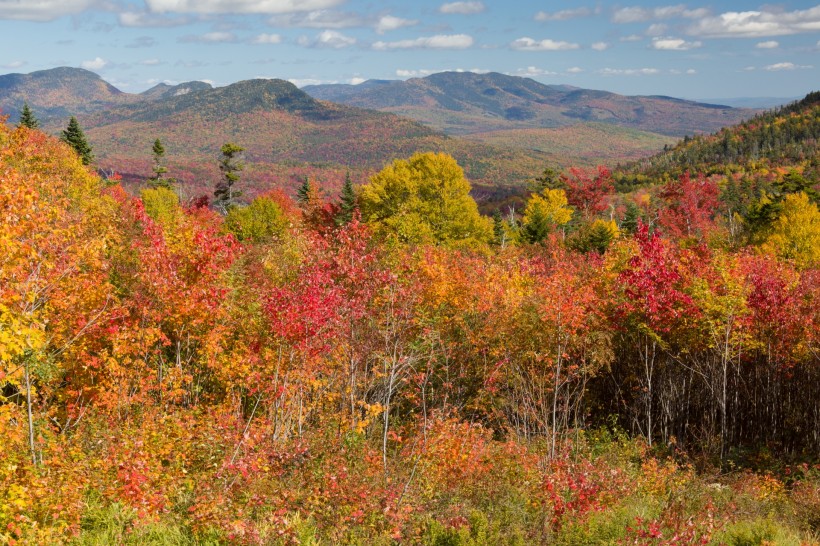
(164, 91)
(466, 102)
(752, 102)
(59, 93)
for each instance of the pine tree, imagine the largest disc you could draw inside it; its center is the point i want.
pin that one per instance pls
(347, 203)
(632, 216)
(158, 180)
(73, 136)
(27, 118)
(225, 195)
(304, 191)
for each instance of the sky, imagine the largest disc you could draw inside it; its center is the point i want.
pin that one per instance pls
(723, 49)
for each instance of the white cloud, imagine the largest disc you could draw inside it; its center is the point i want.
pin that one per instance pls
(356, 81)
(462, 8)
(528, 44)
(629, 71)
(14, 64)
(209, 38)
(565, 14)
(301, 82)
(632, 38)
(600, 46)
(637, 14)
(758, 24)
(657, 29)
(674, 44)
(142, 19)
(331, 39)
(770, 44)
(324, 19)
(533, 71)
(150, 62)
(97, 63)
(267, 39)
(691, 71)
(238, 6)
(389, 22)
(440, 41)
(41, 10)
(575, 70)
(785, 66)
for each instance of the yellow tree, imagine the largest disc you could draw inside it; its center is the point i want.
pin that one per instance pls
(544, 212)
(795, 233)
(425, 199)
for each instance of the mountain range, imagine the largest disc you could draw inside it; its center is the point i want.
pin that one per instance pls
(503, 130)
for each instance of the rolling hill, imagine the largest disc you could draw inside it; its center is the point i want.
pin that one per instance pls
(467, 103)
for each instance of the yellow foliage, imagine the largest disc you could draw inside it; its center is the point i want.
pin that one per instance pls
(795, 233)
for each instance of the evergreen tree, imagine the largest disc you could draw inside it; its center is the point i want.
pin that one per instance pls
(158, 180)
(632, 215)
(304, 191)
(347, 203)
(73, 136)
(27, 118)
(225, 195)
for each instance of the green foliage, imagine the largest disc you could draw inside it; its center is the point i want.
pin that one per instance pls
(544, 212)
(230, 165)
(260, 221)
(425, 199)
(347, 203)
(594, 236)
(757, 532)
(27, 118)
(74, 136)
(304, 192)
(159, 179)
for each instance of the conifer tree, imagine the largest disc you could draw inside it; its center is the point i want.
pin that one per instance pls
(159, 180)
(225, 195)
(73, 136)
(304, 191)
(347, 203)
(27, 118)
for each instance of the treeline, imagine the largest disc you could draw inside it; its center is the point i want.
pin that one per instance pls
(391, 365)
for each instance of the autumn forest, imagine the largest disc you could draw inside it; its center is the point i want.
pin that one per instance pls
(617, 356)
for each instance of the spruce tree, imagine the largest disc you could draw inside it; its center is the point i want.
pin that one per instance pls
(158, 180)
(225, 195)
(347, 203)
(304, 191)
(73, 136)
(27, 118)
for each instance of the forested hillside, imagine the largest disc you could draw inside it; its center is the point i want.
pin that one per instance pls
(388, 366)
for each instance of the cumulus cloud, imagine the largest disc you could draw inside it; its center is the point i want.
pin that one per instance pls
(150, 62)
(97, 63)
(528, 44)
(638, 14)
(600, 46)
(656, 29)
(42, 10)
(330, 39)
(629, 71)
(143, 19)
(267, 39)
(632, 38)
(770, 44)
(674, 44)
(389, 22)
(565, 14)
(532, 71)
(207, 7)
(209, 38)
(440, 41)
(785, 66)
(356, 81)
(462, 8)
(575, 70)
(757, 24)
(324, 19)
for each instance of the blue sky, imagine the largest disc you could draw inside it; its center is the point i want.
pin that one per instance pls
(694, 50)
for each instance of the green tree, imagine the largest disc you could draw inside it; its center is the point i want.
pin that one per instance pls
(260, 221)
(304, 192)
(73, 136)
(159, 180)
(424, 199)
(225, 194)
(27, 118)
(544, 212)
(347, 203)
